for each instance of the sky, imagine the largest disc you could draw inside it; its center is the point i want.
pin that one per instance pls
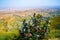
(20, 4)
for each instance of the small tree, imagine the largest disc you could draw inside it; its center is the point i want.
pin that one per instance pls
(37, 32)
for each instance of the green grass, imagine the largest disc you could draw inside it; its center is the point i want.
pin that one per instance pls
(8, 35)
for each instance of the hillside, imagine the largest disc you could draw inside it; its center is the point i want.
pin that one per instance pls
(11, 21)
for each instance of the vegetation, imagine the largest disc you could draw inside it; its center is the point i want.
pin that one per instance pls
(11, 28)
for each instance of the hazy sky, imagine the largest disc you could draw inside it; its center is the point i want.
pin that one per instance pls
(4, 4)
